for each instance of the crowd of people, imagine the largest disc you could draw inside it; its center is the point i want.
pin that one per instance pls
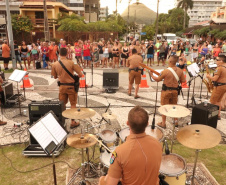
(109, 53)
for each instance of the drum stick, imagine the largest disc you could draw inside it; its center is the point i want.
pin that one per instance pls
(102, 144)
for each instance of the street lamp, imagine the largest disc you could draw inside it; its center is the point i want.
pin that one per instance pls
(157, 21)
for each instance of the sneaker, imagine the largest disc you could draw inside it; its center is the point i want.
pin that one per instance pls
(3, 123)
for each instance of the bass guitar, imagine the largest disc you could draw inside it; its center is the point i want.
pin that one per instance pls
(152, 70)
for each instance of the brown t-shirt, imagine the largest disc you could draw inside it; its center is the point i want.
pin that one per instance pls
(138, 160)
(220, 74)
(61, 74)
(169, 79)
(138, 48)
(5, 51)
(134, 60)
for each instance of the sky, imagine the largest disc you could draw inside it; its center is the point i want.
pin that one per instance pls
(164, 5)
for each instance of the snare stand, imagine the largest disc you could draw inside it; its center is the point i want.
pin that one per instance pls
(172, 139)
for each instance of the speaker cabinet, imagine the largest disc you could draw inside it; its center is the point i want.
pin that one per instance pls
(206, 115)
(111, 79)
(38, 109)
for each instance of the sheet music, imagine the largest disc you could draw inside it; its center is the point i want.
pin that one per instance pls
(159, 71)
(42, 135)
(54, 127)
(212, 65)
(47, 130)
(193, 69)
(17, 75)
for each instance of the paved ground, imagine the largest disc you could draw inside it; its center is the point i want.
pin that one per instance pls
(45, 88)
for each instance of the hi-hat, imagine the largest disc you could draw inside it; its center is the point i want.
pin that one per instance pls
(76, 141)
(198, 136)
(107, 115)
(174, 111)
(78, 113)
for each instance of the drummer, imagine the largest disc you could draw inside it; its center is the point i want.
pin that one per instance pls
(137, 161)
(169, 94)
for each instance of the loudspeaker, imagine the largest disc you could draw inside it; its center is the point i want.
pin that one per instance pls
(7, 89)
(206, 115)
(111, 79)
(38, 109)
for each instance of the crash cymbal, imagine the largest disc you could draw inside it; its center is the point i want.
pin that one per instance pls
(76, 113)
(174, 111)
(76, 141)
(198, 136)
(108, 115)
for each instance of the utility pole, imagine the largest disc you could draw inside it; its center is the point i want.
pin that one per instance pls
(10, 33)
(157, 22)
(128, 19)
(46, 24)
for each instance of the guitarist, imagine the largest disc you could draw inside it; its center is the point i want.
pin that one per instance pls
(66, 82)
(169, 94)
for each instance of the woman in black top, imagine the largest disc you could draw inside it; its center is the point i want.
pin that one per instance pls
(115, 52)
(125, 54)
(24, 53)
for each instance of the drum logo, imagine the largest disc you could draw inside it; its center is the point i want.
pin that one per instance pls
(113, 157)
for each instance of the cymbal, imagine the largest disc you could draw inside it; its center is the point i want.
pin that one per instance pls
(107, 115)
(76, 141)
(174, 111)
(198, 136)
(76, 113)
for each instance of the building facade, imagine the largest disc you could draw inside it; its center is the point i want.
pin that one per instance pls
(103, 13)
(76, 5)
(202, 10)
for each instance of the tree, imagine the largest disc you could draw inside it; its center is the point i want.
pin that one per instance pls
(21, 25)
(150, 32)
(185, 4)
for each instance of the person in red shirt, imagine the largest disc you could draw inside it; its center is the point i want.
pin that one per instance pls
(45, 55)
(5, 54)
(216, 51)
(86, 54)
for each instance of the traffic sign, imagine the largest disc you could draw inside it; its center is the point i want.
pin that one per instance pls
(142, 33)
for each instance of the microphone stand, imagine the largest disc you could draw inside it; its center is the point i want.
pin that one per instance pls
(153, 121)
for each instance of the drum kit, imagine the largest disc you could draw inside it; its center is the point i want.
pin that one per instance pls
(173, 167)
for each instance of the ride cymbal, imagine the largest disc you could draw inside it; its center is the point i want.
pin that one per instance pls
(174, 111)
(78, 113)
(198, 136)
(76, 141)
(107, 115)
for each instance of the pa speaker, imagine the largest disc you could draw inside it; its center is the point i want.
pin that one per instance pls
(206, 115)
(111, 79)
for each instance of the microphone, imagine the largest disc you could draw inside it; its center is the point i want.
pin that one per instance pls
(153, 123)
(167, 152)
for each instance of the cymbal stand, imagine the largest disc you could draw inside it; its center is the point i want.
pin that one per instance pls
(192, 178)
(91, 169)
(172, 139)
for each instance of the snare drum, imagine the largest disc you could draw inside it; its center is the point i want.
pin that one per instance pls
(109, 137)
(157, 133)
(173, 167)
(105, 160)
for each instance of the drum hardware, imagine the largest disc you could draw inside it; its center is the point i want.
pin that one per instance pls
(198, 137)
(174, 111)
(82, 141)
(156, 96)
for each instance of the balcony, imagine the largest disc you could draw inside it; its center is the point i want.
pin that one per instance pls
(40, 22)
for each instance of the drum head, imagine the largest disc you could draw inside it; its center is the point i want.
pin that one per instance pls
(108, 135)
(105, 157)
(157, 133)
(124, 133)
(172, 165)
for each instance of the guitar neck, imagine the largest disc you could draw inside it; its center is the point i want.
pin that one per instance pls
(152, 70)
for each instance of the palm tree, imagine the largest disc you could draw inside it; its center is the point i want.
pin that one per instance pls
(185, 4)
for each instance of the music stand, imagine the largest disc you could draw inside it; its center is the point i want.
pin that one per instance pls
(49, 134)
(193, 71)
(17, 76)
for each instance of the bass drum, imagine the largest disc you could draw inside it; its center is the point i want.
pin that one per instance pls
(105, 160)
(173, 167)
(157, 133)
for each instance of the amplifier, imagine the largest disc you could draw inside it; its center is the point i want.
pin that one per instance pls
(7, 88)
(111, 79)
(38, 109)
(206, 115)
